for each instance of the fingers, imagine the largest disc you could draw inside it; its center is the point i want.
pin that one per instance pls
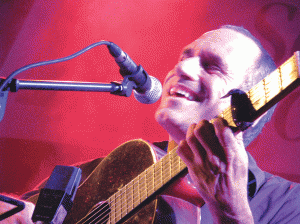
(184, 150)
(223, 132)
(229, 141)
(185, 153)
(205, 133)
(206, 141)
(194, 143)
(190, 149)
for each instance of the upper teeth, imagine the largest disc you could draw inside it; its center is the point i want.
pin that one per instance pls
(175, 91)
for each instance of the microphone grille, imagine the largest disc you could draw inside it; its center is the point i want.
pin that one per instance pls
(152, 95)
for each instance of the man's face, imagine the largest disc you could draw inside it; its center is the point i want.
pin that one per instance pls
(208, 68)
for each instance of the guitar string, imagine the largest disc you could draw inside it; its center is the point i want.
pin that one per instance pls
(116, 203)
(89, 219)
(107, 213)
(94, 220)
(141, 193)
(253, 95)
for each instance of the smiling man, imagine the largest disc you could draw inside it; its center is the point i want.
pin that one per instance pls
(234, 189)
(225, 176)
(208, 68)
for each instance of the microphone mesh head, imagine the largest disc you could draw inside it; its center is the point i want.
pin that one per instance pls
(152, 95)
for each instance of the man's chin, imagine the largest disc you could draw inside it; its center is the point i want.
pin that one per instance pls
(168, 119)
(165, 115)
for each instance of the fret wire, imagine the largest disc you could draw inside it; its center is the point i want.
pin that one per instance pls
(161, 173)
(280, 78)
(146, 175)
(124, 201)
(113, 211)
(265, 98)
(123, 191)
(171, 165)
(180, 163)
(139, 190)
(119, 203)
(155, 175)
(149, 176)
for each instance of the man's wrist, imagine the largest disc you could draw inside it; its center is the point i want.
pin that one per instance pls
(232, 213)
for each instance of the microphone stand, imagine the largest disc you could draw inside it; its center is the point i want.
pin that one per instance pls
(123, 88)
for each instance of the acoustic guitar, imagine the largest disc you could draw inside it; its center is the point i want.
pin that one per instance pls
(124, 186)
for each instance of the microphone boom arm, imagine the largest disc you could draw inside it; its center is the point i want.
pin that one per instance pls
(116, 88)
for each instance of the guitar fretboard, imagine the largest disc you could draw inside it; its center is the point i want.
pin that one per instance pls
(144, 185)
(271, 89)
(263, 95)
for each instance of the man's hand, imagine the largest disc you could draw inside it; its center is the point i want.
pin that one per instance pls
(218, 165)
(23, 217)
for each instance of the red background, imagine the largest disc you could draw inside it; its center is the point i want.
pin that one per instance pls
(42, 129)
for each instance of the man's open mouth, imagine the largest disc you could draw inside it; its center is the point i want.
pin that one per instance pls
(184, 92)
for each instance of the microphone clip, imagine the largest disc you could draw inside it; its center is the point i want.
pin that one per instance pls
(129, 83)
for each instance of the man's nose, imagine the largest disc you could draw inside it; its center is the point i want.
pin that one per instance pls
(189, 68)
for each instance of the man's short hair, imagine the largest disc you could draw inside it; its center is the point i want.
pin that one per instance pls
(262, 67)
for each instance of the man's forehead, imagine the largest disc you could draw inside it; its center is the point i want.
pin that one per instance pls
(224, 41)
(224, 37)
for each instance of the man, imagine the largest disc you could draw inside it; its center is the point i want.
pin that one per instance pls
(225, 176)
(208, 69)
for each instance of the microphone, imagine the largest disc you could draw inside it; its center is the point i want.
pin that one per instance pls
(148, 88)
(56, 198)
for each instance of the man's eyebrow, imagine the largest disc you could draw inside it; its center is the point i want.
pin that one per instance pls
(187, 52)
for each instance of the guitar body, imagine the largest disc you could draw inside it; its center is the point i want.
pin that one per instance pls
(113, 172)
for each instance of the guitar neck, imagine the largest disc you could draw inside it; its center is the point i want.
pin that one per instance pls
(271, 89)
(263, 96)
